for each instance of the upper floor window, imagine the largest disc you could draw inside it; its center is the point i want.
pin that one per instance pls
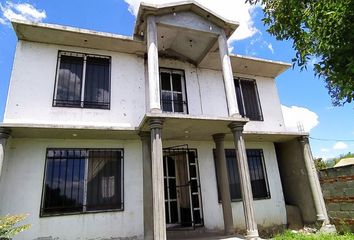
(82, 180)
(173, 91)
(83, 80)
(257, 171)
(248, 99)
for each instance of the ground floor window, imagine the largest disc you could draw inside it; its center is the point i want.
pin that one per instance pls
(82, 180)
(257, 171)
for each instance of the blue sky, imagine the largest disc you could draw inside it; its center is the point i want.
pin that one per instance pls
(304, 96)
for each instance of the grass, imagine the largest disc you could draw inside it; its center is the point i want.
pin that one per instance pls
(312, 236)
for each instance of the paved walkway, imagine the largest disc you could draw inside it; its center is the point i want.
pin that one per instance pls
(186, 235)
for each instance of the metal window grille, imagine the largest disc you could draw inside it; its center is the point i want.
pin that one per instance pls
(173, 91)
(82, 80)
(248, 99)
(258, 176)
(183, 200)
(82, 180)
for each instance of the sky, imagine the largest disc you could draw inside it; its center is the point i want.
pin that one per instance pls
(303, 96)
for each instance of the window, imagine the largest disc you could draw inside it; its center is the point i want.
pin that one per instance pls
(173, 93)
(248, 99)
(82, 80)
(82, 180)
(257, 172)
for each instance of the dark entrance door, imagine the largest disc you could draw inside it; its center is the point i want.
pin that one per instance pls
(183, 201)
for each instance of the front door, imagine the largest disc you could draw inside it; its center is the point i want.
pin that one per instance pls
(183, 203)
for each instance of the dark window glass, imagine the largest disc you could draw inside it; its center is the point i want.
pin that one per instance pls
(71, 80)
(104, 180)
(165, 81)
(172, 91)
(178, 102)
(68, 170)
(64, 183)
(248, 100)
(166, 98)
(176, 82)
(97, 83)
(256, 167)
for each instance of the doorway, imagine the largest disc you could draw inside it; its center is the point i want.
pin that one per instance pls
(183, 201)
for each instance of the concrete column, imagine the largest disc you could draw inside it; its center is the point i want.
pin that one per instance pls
(158, 195)
(223, 181)
(147, 186)
(153, 65)
(228, 76)
(4, 135)
(314, 182)
(245, 180)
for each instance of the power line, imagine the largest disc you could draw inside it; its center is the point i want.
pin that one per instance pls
(332, 140)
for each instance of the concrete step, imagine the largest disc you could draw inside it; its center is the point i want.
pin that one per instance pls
(199, 233)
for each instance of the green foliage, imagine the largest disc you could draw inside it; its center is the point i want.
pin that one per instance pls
(320, 164)
(322, 30)
(346, 155)
(307, 236)
(7, 225)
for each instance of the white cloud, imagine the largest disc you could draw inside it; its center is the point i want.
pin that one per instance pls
(256, 43)
(270, 47)
(236, 10)
(2, 21)
(340, 146)
(20, 11)
(324, 150)
(297, 117)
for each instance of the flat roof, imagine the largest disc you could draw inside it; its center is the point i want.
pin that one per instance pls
(77, 37)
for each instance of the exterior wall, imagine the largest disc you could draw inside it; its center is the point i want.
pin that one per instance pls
(21, 189)
(270, 104)
(33, 79)
(295, 180)
(268, 212)
(338, 190)
(206, 96)
(24, 169)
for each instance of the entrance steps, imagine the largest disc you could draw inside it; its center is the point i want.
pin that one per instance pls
(199, 234)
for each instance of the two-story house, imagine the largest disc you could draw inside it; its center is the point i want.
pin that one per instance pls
(115, 137)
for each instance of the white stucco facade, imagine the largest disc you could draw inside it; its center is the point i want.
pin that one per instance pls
(24, 168)
(33, 81)
(137, 123)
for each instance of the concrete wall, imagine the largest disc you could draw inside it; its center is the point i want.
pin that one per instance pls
(268, 212)
(22, 179)
(21, 189)
(338, 191)
(206, 95)
(33, 79)
(295, 180)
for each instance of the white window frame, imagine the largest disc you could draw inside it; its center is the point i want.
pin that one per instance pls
(183, 88)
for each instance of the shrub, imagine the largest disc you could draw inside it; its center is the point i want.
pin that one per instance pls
(8, 228)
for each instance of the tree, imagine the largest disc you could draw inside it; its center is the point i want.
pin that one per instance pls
(320, 164)
(322, 30)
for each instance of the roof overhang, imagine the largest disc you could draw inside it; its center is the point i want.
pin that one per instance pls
(147, 9)
(247, 65)
(77, 37)
(190, 128)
